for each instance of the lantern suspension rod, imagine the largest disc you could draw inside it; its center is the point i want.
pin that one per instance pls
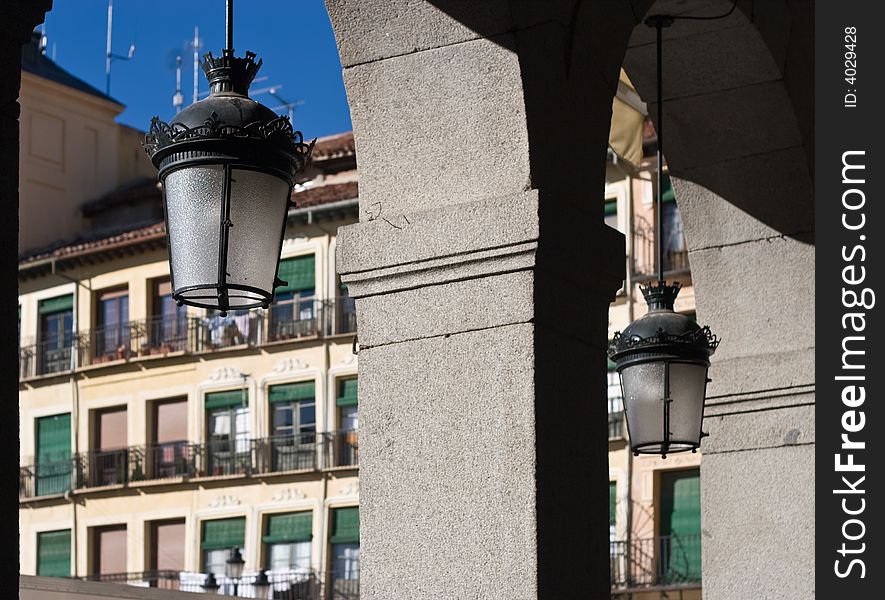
(659, 234)
(229, 27)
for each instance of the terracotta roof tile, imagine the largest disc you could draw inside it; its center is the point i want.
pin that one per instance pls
(324, 194)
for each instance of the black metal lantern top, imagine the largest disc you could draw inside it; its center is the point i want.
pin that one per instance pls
(228, 164)
(662, 360)
(662, 333)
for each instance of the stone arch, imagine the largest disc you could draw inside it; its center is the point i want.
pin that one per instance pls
(483, 126)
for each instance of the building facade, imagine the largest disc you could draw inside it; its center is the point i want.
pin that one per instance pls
(154, 438)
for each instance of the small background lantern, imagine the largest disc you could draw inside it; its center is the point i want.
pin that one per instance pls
(227, 164)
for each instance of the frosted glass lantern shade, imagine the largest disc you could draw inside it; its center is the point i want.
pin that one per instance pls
(664, 404)
(225, 226)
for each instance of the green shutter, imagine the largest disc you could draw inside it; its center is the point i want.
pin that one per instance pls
(292, 392)
(289, 528)
(223, 399)
(611, 207)
(668, 194)
(612, 503)
(53, 471)
(54, 438)
(347, 392)
(223, 533)
(56, 305)
(54, 553)
(345, 526)
(298, 273)
(681, 524)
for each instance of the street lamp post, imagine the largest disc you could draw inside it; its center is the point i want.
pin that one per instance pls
(234, 569)
(227, 164)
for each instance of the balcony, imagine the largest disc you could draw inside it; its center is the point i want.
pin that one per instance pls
(177, 461)
(290, 584)
(616, 425)
(660, 562)
(644, 258)
(285, 321)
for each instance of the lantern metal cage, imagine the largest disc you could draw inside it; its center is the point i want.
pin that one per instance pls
(227, 164)
(662, 360)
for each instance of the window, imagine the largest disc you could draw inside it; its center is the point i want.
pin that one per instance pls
(218, 538)
(680, 526)
(109, 550)
(228, 444)
(675, 250)
(167, 545)
(347, 404)
(293, 425)
(345, 555)
(168, 325)
(615, 403)
(53, 469)
(111, 340)
(294, 314)
(611, 212)
(168, 454)
(54, 553)
(612, 510)
(56, 333)
(109, 459)
(346, 450)
(287, 539)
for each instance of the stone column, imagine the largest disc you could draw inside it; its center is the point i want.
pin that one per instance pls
(483, 272)
(17, 19)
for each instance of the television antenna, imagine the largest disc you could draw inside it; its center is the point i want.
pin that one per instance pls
(110, 56)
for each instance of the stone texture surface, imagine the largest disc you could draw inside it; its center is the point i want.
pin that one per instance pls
(758, 523)
(443, 231)
(747, 428)
(719, 208)
(474, 114)
(448, 467)
(707, 62)
(728, 124)
(772, 371)
(371, 31)
(758, 296)
(466, 305)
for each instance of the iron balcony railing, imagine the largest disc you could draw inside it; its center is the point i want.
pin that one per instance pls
(286, 320)
(244, 457)
(644, 255)
(616, 424)
(285, 584)
(660, 561)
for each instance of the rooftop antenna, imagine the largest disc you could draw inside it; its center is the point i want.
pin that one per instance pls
(110, 56)
(289, 106)
(177, 98)
(196, 43)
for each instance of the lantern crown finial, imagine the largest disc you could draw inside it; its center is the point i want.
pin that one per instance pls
(661, 295)
(230, 74)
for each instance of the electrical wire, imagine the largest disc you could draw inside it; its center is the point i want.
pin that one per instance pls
(710, 18)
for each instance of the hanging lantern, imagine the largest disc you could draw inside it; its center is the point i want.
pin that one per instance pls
(227, 165)
(662, 360)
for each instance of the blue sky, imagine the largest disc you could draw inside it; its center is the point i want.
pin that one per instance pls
(294, 37)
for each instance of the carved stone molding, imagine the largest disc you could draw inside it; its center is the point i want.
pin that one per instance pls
(225, 500)
(288, 495)
(290, 364)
